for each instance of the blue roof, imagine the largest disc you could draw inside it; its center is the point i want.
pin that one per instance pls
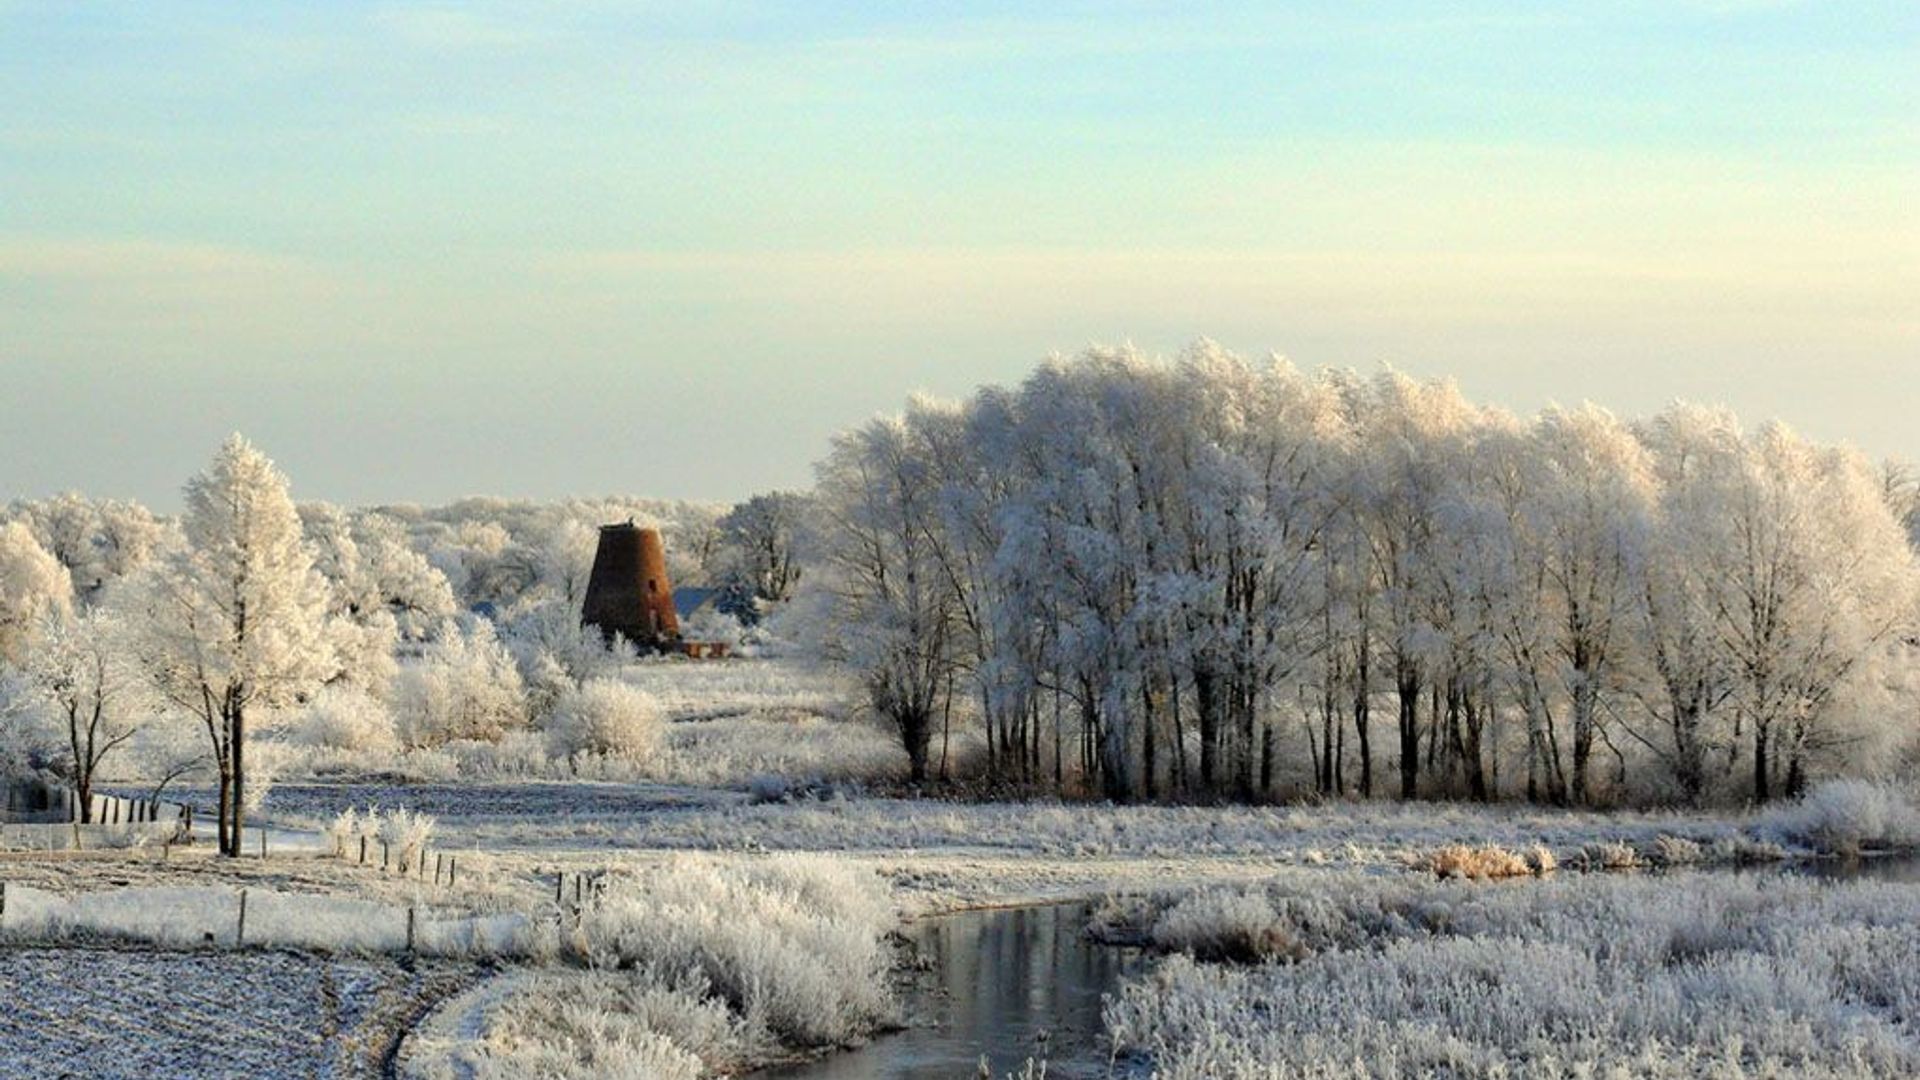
(691, 598)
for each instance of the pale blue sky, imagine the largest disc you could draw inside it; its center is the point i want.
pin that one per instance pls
(419, 251)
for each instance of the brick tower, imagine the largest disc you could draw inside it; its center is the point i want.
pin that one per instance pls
(629, 593)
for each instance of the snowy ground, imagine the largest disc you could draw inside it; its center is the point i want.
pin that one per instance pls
(140, 1014)
(519, 841)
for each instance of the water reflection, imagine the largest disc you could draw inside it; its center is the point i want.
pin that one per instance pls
(1900, 868)
(1013, 985)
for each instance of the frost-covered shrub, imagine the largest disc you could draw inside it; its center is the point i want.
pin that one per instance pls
(605, 1024)
(1847, 816)
(769, 789)
(345, 719)
(709, 624)
(604, 718)
(1239, 926)
(1676, 851)
(406, 833)
(1476, 863)
(518, 754)
(1541, 859)
(343, 832)
(464, 686)
(1609, 855)
(794, 945)
(427, 765)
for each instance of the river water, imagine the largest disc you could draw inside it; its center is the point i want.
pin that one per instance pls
(1013, 985)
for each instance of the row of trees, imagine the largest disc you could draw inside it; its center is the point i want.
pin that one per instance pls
(1213, 577)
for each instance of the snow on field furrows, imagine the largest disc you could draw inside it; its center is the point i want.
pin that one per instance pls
(139, 1015)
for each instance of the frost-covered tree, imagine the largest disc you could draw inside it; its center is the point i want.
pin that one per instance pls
(1592, 503)
(98, 541)
(361, 630)
(33, 587)
(82, 672)
(404, 581)
(1811, 576)
(759, 538)
(893, 602)
(234, 624)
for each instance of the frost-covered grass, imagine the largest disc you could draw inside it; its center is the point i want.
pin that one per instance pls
(1697, 975)
(705, 689)
(698, 965)
(1385, 834)
(1849, 816)
(800, 750)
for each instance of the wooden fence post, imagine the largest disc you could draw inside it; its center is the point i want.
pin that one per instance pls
(560, 888)
(439, 865)
(240, 932)
(263, 841)
(363, 849)
(3, 904)
(453, 867)
(411, 917)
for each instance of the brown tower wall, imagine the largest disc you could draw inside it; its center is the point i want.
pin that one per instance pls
(628, 593)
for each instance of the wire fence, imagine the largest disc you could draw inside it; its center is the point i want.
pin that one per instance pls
(218, 917)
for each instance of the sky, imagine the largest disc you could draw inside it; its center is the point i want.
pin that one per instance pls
(420, 251)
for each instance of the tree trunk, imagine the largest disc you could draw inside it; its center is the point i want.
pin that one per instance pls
(1207, 709)
(223, 818)
(1363, 717)
(1407, 682)
(1585, 710)
(1266, 760)
(1147, 762)
(236, 836)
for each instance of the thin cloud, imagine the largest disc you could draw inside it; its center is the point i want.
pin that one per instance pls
(451, 29)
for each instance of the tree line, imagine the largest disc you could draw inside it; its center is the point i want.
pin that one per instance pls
(1212, 577)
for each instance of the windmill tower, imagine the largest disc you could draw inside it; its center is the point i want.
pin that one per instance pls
(629, 593)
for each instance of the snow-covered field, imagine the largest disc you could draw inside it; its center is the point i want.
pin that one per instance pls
(139, 1014)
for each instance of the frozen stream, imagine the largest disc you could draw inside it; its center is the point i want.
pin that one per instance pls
(1011, 984)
